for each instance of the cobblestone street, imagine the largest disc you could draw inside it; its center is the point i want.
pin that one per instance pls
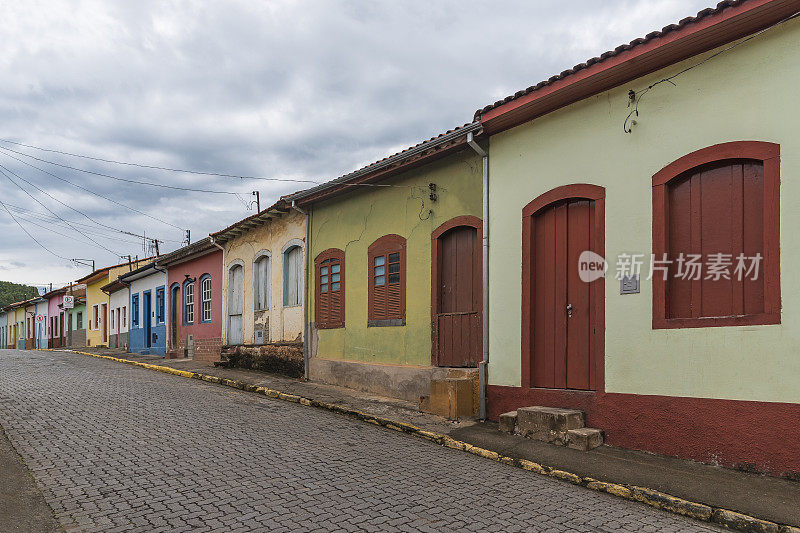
(113, 447)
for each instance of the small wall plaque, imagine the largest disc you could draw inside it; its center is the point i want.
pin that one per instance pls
(629, 284)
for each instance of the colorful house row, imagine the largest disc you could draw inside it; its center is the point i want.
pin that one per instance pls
(483, 256)
(548, 253)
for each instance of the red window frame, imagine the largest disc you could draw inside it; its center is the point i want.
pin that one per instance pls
(769, 155)
(328, 316)
(387, 301)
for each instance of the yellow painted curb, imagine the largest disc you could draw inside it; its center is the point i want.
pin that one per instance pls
(653, 498)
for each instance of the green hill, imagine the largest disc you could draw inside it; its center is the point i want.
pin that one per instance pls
(14, 292)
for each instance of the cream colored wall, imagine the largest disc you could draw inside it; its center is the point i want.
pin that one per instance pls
(748, 93)
(285, 323)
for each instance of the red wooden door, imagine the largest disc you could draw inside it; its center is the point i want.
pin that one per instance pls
(562, 302)
(458, 300)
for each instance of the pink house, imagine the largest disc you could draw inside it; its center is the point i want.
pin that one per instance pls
(194, 301)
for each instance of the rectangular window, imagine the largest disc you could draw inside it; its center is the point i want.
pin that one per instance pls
(95, 318)
(125, 316)
(80, 320)
(292, 276)
(330, 300)
(261, 283)
(135, 311)
(387, 271)
(113, 327)
(160, 305)
(205, 299)
(189, 303)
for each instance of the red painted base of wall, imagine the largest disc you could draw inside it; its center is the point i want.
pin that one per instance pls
(758, 436)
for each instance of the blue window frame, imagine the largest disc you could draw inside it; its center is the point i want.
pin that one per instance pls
(160, 303)
(135, 311)
(205, 298)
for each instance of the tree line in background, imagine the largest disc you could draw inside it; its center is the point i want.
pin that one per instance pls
(14, 292)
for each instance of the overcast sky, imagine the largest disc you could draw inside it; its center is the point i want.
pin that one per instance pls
(290, 90)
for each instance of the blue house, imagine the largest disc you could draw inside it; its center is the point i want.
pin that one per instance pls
(147, 327)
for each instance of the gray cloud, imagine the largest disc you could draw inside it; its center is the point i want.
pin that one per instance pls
(305, 90)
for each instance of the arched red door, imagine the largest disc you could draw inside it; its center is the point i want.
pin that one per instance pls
(562, 314)
(457, 293)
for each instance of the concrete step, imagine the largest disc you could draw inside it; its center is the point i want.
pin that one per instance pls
(584, 439)
(548, 424)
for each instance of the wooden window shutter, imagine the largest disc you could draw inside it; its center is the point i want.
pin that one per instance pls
(329, 289)
(387, 280)
(716, 205)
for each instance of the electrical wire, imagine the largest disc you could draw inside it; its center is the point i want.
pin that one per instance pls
(29, 221)
(81, 187)
(92, 227)
(156, 167)
(31, 236)
(637, 99)
(47, 208)
(126, 180)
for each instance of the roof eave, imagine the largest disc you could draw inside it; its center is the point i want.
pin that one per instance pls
(421, 154)
(728, 25)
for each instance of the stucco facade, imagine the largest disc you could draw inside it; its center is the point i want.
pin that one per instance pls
(737, 96)
(41, 319)
(147, 330)
(119, 301)
(200, 265)
(282, 320)
(97, 304)
(3, 329)
(352, 222)
(393, 355)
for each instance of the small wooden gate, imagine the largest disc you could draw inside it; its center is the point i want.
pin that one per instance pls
(457, 293)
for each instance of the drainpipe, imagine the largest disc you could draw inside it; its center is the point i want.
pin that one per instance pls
(224, 325)
(485, 314)
(306, 336)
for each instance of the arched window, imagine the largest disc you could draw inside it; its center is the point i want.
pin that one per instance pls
(293, 273)
(205, 298)
(261, 282)
(387, 281)
(188, 302)
(715, 238)
(329, 276)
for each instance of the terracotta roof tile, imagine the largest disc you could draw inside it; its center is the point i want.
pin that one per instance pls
(611, 53)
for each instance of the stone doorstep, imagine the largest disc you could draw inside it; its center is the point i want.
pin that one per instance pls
(553, 425)
(584, 439)
(548, 421)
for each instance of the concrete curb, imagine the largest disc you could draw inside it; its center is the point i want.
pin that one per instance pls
(653, 498)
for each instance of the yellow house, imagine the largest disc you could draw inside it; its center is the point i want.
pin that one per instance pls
(97, 301)
(395, 276)
(263, 272)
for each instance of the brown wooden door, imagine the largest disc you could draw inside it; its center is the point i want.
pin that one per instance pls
(562, 302)
(458, 329)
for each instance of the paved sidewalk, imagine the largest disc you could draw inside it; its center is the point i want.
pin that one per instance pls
(22, 506)
(767, 498)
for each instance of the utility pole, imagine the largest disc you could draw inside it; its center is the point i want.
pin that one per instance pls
(188, 237)
(258, 201)
(155, 242)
